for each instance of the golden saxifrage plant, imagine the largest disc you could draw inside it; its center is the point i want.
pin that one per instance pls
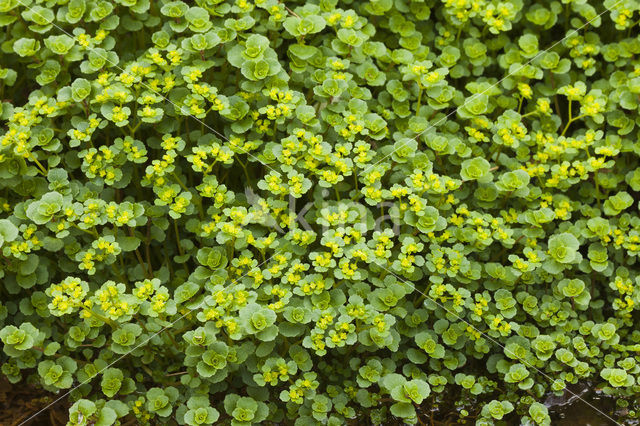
(252, 212)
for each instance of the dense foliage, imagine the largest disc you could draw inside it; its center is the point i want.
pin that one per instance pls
(247, 211)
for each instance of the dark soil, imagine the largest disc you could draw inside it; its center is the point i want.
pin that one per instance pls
(20, 401)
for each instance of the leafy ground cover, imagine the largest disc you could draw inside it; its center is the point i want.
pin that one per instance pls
(250, 212)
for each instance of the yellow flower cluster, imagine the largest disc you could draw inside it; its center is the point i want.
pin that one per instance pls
(112, 300)
(67, 296)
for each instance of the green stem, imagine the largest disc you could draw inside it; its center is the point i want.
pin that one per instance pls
(102, 318)
(175, 228)
(419, 98)
(246, 172)
(180, 251)
(133, 130)
(569, 120)
(82, 229)
(595, 180)
(147, 273)
(40, 166)
(175, 176)
(520, 104)
(498, 151)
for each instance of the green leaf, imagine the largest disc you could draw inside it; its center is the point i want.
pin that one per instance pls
(8, 231)
(476, 169)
